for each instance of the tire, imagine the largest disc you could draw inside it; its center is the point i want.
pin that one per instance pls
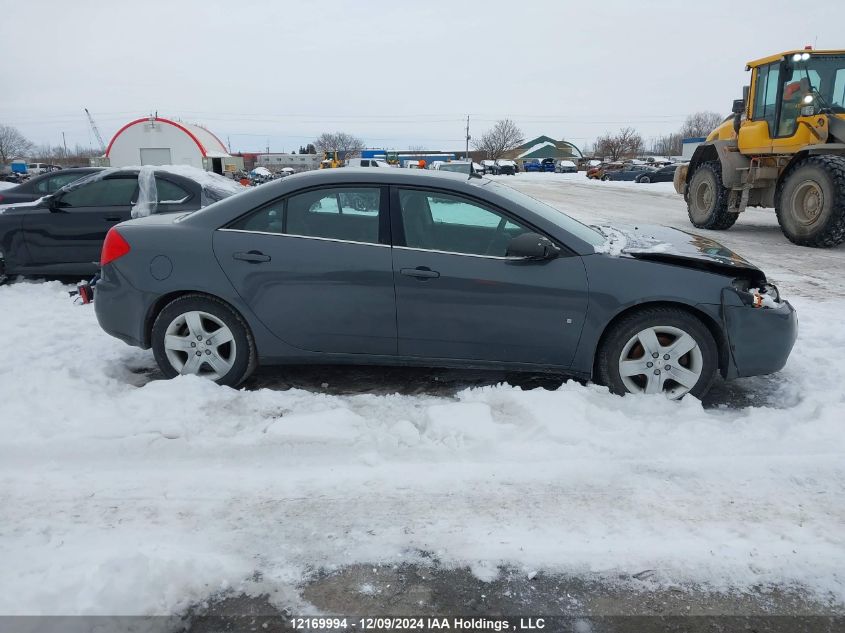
(669, 325)
(645, 179)
(605, 178)
(235, 360)
(707, 202)
(810, 203)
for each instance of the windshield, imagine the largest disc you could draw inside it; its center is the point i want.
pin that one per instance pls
(824, 75)
(547, 212)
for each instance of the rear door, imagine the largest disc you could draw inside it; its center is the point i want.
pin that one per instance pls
(458, 297)
(72, 232)
(315, 268)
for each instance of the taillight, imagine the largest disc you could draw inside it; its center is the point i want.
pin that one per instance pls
(1, 198)
(114, 247)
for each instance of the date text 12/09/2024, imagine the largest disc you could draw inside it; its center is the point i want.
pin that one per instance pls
(377, 624)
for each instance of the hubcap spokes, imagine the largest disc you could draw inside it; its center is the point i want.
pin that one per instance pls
(661, 359)
(199, 343)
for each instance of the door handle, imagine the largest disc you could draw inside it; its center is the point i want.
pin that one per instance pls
(420, 272)
(113, 218)
(255, 257)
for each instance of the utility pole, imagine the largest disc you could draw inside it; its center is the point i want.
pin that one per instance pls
(468, 137)
(64, 142)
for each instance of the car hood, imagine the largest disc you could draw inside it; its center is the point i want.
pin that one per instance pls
(673, 246)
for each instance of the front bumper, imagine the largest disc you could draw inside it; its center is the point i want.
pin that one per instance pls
(760, 339)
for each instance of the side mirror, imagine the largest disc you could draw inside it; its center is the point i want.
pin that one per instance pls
(531, 246)
(739, 106)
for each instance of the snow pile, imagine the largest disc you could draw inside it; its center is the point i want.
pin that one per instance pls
(123, 495)
(6, 185)
(629, 240)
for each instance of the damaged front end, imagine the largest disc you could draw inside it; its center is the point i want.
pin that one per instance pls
(760, 327)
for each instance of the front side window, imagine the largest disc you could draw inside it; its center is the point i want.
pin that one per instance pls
(443, 222)
(108, 192)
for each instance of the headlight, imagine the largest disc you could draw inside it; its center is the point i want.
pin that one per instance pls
(765, 296)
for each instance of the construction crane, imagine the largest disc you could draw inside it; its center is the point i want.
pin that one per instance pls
(96, 131)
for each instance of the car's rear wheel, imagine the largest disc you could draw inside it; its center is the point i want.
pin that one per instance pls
(659, 350)
(203, 336)
(645, 179)
(605, 178)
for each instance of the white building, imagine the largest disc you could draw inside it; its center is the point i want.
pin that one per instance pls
(299, 162)
(159, 141)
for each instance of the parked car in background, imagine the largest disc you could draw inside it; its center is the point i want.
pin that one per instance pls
(628, 173)
(403, 267)
(532, 164)
(598, 171)
(505, 167)
(488, 166)
(43, 185)
(566, 167)
(663, 174)
(35, 169)
(62, 233)
(460, 166)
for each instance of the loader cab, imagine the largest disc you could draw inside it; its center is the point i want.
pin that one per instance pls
(788, 92)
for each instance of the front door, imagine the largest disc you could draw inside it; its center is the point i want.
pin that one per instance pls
(458, 297)
(316, 269)
(73, 229)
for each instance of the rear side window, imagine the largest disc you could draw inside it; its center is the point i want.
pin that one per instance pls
(347, 213)
(267, 219)
(170, 193)
(102, 193)
(54, 183)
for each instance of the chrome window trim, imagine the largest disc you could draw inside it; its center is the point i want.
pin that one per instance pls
(305, 237)
(432, 250)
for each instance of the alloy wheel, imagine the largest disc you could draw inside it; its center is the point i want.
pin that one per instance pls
(200, 343)
(661, 359)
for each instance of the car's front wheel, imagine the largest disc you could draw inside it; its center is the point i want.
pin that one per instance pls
(660, 350)
(201, 335)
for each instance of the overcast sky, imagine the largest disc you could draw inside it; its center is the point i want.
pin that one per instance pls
(397, 74)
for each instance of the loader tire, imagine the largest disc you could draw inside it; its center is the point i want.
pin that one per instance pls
(810, 203)
(707, 199)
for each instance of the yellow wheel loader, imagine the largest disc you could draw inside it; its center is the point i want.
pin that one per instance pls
(784, 147)
(330, 161)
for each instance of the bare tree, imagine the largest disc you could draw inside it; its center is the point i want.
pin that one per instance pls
(626, 143)
(668, 145)
(500, 139)
(346, 144)
(12, 144)
(700, 124)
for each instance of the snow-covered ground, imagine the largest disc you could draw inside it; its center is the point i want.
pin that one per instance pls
(122, 495)
(6, 185)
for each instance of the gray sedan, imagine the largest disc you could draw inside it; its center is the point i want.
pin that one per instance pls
(411, 267)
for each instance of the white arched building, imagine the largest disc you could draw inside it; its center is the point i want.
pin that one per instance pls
(159, 141)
